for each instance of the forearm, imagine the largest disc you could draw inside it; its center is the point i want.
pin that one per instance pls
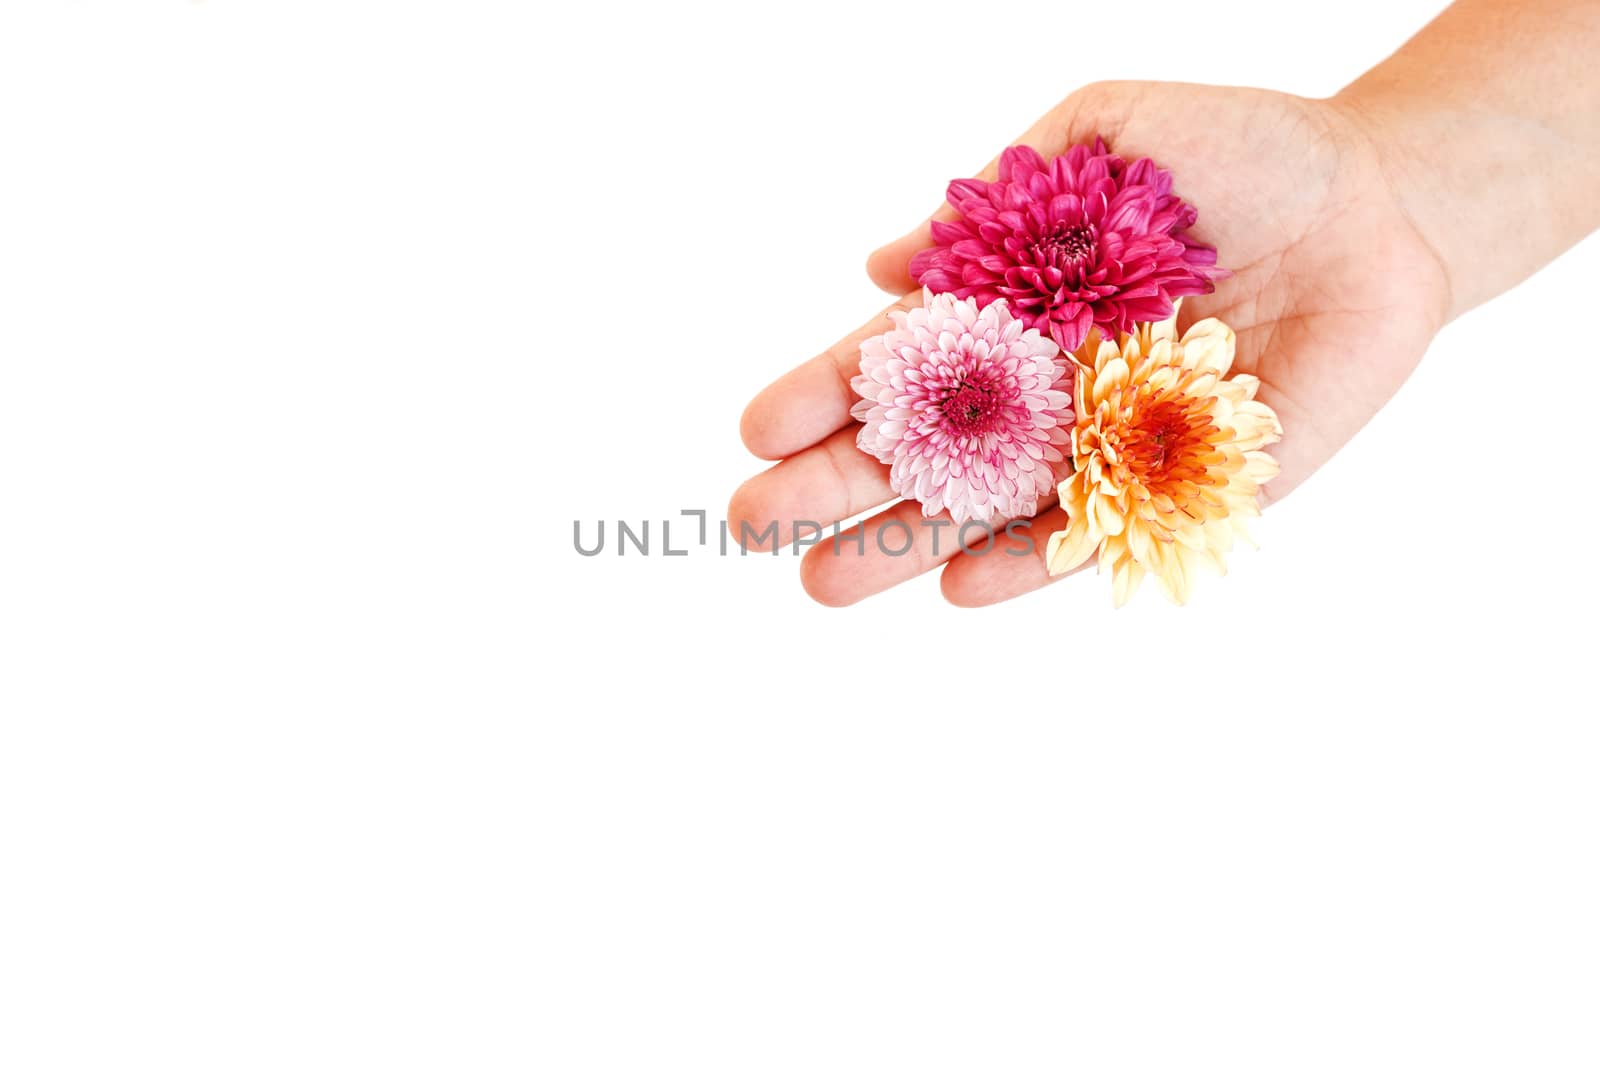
(1488, 125)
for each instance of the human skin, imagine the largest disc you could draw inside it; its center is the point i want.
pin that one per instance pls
(1355, 228)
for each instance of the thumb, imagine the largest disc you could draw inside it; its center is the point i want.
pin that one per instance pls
(1082, 116)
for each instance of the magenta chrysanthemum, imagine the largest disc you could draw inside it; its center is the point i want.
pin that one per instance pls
(1083, 240)
(967, 406)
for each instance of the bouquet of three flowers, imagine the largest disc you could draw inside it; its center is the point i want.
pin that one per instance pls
(1045, 357)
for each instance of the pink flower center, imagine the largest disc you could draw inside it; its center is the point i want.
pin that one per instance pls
(970, 409)
(1067, 244)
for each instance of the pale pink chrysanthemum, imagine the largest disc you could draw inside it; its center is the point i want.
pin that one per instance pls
(967, 406)
(1082, 240)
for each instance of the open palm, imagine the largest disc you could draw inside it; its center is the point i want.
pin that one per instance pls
(1334, 297)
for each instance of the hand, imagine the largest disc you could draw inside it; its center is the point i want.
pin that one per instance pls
(1334, 297)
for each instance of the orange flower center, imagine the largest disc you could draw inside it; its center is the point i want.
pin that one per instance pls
(1169, 442)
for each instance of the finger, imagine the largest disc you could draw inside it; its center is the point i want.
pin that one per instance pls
(892, 547)
(814, 399)
(975, 581)
(823, 485)
(1063, 126)
(889, 267)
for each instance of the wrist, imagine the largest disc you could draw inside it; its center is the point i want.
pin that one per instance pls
(1404, 168)
(1492, 187)
(1377, 159)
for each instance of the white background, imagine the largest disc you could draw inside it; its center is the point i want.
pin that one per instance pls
(320, 323)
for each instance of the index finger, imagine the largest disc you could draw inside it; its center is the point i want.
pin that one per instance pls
(813, 400)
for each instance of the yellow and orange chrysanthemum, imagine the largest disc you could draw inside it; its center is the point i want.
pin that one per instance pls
(1167, 457)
